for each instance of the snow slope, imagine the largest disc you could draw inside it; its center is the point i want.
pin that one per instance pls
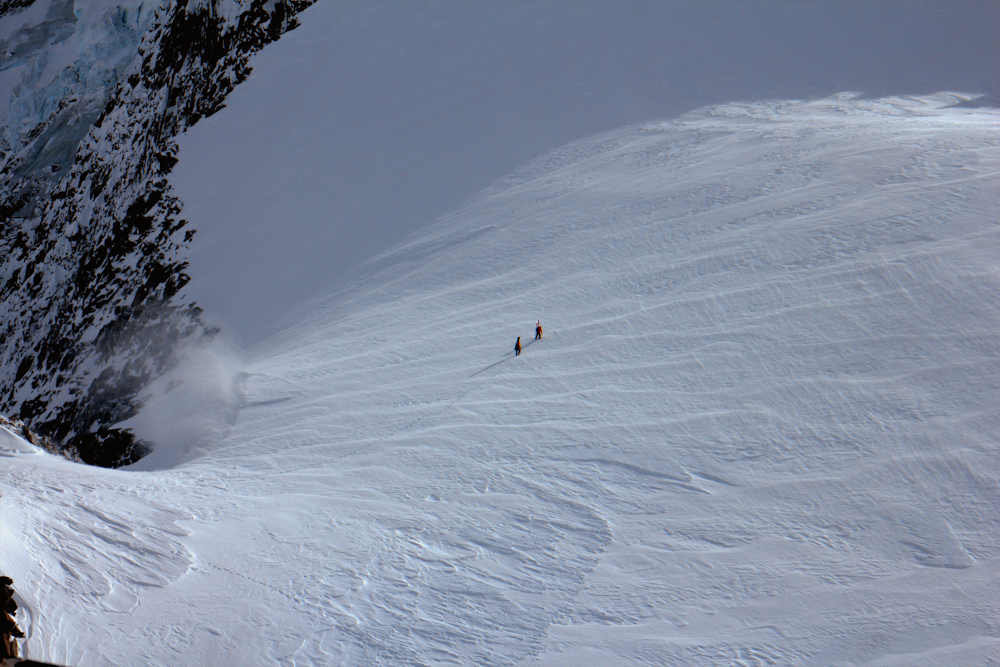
(760, 429)
(361, 127)
(375, 118)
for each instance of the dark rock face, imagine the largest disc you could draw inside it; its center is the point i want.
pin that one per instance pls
(7, 5)
(9, 632)
(92, 254)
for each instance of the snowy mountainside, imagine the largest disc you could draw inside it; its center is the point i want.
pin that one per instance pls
(93, 242)
(406, 109)
(760, 428)
(376, 118)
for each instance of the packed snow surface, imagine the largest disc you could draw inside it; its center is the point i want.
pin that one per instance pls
(376, 118)
(760, 429)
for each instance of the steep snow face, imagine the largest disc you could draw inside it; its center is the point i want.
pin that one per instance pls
(376, 118)
(94, 247)
(760, 428)
(405, 110)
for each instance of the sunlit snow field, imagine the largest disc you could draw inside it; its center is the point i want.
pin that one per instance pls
(760, 429)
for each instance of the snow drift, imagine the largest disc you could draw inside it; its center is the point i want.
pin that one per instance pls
(364, 126)
(759, 428)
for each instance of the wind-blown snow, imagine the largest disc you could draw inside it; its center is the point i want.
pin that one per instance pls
(760, 428)
(375, 118)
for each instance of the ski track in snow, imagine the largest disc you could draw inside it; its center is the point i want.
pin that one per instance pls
(760, 428)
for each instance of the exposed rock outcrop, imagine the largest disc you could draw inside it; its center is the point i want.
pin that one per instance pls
(9, 632)
(92, 256)
(38, 440)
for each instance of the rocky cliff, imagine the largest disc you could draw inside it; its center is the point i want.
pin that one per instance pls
(92, 238)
